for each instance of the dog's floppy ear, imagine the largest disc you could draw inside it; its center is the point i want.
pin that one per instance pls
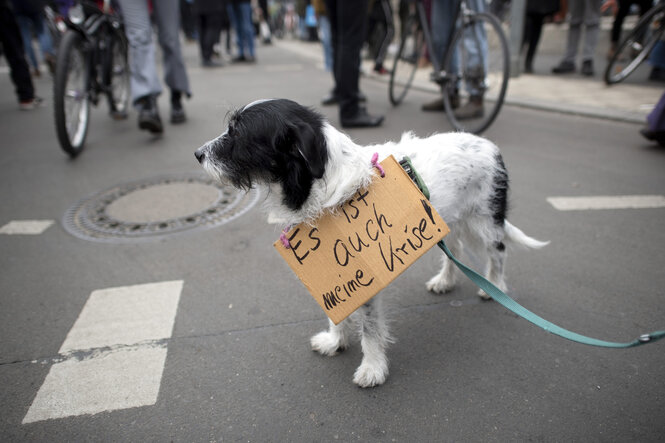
(305, 154)
(302, 141)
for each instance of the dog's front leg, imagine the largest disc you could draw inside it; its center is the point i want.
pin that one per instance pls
(332, 341)
(375, 337)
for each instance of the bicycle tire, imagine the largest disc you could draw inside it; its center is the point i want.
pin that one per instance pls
(637, 45)
(470, 81)
(116, 77)
(71, 100)
(406, 60)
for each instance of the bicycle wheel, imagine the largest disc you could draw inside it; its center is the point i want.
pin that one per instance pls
(410, 51)
(70, 94)
(637, 45)
(477, 67)
(116, 79)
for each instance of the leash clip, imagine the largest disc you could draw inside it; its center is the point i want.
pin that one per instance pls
(645, 338)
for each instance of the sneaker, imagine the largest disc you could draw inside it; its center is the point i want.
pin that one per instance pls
(587, 68)
(472, 109)
(149, 115)
(33, 103)
(379, 69)
(564, 68)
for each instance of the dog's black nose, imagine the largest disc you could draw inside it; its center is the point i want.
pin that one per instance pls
(200, 155)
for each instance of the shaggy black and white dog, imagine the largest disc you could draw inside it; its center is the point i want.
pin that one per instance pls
(310, 168)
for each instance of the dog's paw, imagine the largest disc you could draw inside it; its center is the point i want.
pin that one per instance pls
(485, 296)
(368, 376)
(439, 285)
(327, 343)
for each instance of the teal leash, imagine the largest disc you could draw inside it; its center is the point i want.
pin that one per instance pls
(500, 297)
(510, 304)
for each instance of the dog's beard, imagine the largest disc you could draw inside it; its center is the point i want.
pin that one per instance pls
(216, 172)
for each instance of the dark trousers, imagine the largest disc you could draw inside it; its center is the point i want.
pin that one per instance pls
(210, 26)
(622, 12)
(533, 28)
(13, 49)
(348, 19)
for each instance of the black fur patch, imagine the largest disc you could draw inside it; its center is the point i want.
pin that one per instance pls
(499, 200)
(275, 141)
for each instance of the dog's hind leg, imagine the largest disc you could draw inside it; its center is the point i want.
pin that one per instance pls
(444, 281)
(375, 338)
(495, 267)
(332, 341)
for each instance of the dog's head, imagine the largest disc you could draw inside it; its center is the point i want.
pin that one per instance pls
(270, 141)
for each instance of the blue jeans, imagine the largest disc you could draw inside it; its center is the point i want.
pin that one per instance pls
(27, 24)
(240, 15)
(443, 15)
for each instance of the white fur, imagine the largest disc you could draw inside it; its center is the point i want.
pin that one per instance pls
(458, 169)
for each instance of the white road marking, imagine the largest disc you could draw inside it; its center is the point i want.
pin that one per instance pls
(125, 316)
(607, 202)
(26, 227)
(114, 355)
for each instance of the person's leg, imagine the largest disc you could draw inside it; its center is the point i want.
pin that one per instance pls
(144, 80)
(351, 29)
(442, 25)
(167, 18)
(390, 33)
(25, 26)
(576, 9)
(235, 18)
(591, 33)
(12, 43)
(247, 28)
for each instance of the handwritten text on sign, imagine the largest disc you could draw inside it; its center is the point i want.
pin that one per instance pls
(346, 258)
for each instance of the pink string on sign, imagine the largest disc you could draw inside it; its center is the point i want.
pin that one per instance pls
(284, 239)
(375, 163)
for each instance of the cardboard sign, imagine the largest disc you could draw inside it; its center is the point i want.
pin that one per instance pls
(345, 258)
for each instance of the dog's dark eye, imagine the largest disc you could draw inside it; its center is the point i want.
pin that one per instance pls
(230, 131)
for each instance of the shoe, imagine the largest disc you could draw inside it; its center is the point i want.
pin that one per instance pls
(177, 111)
(564, 68)
(332, 99)
(33, 103)
(472, 109)
(379, 69)
(650, 134)
(149, 114)
(211, 64)
(587, 68)
(362, 120)
(438, 106)
(239, 59)
(657, 74)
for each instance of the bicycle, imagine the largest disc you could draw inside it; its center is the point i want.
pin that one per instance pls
(91, 62)
(637, 45)
(475, 33)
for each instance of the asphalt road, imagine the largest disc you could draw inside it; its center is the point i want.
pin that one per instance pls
(238, 366)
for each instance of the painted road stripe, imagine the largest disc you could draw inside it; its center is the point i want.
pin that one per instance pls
(26, 227)
(114, 355)
(607, 202)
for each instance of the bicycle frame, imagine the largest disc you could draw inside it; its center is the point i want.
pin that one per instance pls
(439, 75)
(95, 21)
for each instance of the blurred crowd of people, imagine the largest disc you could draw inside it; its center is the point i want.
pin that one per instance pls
(228, 30)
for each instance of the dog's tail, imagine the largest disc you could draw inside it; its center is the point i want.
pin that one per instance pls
(516, 236)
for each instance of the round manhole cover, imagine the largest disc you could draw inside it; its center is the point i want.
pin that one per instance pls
(156, 207)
